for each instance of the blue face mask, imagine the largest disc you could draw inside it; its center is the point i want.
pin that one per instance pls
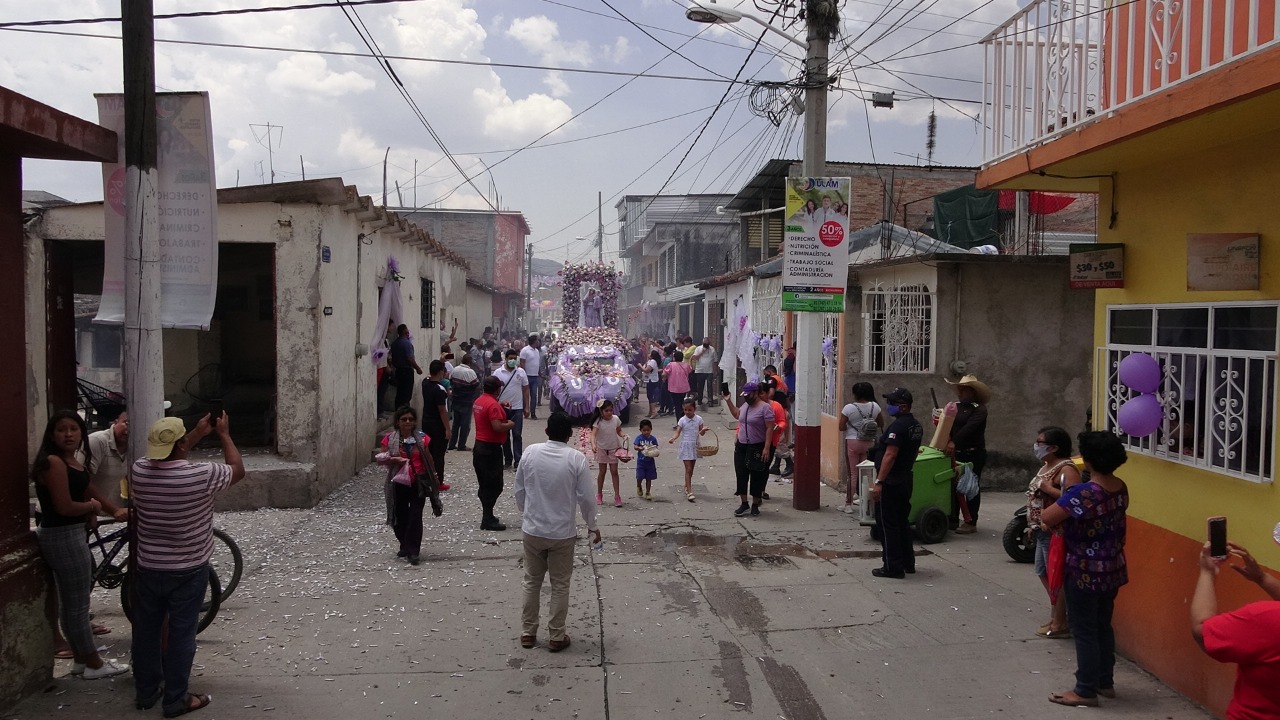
(893, 410)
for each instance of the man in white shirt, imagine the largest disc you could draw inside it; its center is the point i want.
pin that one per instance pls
(824, 213)
(552, 479)
(515, 398)
(704, 371)
(531, 362)
(108, 450)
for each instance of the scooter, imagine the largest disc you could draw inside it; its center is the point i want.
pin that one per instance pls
(1017, 541)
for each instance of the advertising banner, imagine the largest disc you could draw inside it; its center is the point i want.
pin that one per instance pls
(188, 205)
(815, 269)
(1096, 265)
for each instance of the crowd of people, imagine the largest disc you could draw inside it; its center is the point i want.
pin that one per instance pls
(1076, 511)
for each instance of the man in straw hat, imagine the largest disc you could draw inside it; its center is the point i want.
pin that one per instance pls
(173, 524)
(968, 441)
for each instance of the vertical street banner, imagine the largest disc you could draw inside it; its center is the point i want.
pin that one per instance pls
(188, 206)
(816, 248)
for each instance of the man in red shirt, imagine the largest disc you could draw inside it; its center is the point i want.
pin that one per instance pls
(1249, 637)
(492, 426)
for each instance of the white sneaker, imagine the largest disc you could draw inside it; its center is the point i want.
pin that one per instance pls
(110, 668)
(848, 509)
(76, 669)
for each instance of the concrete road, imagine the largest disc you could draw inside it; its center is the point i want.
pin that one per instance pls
(688, 612)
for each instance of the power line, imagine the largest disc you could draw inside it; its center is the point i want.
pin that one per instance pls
(406, 58)
(203, 13)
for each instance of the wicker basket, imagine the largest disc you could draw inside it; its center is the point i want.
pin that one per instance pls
(708, 450)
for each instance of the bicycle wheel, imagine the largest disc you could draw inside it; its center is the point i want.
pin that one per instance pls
(208, 608)
(227, 562)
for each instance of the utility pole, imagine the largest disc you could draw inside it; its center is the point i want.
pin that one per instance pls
(807, 494)
(528, 287)
(271, 153)
(600, 226)
(303, 167)
(143, 338)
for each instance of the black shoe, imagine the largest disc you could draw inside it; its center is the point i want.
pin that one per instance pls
(742, 510)
(764, 496)
(884, 573)
(402, 553)
(413, 559)
(910, 571)
(463, 448)
(755, 510)
(492, 524)
(437, 507)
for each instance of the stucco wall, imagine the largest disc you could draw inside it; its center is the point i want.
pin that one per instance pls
(1018, 328)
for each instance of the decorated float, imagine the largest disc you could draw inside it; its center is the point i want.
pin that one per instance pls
(590, 359)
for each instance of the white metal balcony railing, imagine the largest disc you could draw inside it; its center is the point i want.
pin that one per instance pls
(1059, 63)
(1219, 409)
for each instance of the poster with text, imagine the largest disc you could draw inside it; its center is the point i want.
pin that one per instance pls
(815, 269)
(187, 201)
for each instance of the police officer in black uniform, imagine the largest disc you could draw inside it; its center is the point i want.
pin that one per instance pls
(898, 447)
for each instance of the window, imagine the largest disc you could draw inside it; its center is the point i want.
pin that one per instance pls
(1218, 365)
(831, 394)
(898, 332)
(428, 304)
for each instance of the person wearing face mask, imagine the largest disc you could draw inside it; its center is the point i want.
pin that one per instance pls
(515, 398)
(895, 463)
(1057, 473)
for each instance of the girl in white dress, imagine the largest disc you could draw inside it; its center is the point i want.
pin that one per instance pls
(687, 431)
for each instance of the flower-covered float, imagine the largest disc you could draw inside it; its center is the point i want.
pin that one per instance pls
(591, 364)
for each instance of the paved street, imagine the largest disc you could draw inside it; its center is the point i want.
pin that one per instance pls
(688, 613)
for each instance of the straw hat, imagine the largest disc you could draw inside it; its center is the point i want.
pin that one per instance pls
(980, 388)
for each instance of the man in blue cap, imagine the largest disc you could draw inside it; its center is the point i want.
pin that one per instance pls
(899, 444)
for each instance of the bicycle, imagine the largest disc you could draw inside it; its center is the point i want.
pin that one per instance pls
(111, 569)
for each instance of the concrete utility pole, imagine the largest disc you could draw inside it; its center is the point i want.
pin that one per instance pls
(809, 376)
(143, 338)
(600, 226)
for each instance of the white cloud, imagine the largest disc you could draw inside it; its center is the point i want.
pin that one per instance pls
(620, 51)
(554, 81)
(541, 36)
(310, 75)
(523, 119)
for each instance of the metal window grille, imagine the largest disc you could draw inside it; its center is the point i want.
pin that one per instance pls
(428, 303)
(1219, 401)
(831, 372)
(766, 319)
(898, 329)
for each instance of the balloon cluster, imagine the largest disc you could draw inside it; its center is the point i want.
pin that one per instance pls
(1141, 415)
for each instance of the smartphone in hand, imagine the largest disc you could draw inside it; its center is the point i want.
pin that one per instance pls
(724, 388)
(215, 412)
(1218, 537)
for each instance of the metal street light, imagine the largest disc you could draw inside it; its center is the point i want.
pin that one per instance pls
(807, 414)
(716, 15)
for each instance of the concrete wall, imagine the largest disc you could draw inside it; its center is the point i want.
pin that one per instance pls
(1014, 324)
(325, 380)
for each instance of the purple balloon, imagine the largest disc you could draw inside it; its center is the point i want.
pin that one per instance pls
(1140, 416)
(1140, 372)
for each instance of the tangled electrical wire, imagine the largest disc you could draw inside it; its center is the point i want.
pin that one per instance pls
(776, 101)
(823, 14)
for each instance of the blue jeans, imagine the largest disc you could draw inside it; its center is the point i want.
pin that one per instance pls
(535, 394)
(176, 595)
(514, 446)
(1089, 616)
(461, 425)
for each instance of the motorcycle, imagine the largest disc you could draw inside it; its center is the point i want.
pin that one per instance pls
(1017, 542)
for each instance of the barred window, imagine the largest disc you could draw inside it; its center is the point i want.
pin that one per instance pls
(1217, 388)
(831, 369)
(898, 329)
(428, 303)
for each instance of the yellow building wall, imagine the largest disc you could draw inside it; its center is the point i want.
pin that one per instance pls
(1229, 189)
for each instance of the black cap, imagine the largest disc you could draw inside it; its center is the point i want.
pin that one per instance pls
(899, 396)
(768, 383)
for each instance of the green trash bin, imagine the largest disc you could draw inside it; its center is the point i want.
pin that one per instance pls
(931, 496)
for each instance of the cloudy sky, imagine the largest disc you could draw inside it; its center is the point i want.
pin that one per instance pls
(544, 103)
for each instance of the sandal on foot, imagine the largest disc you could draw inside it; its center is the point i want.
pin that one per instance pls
(1052, 634)
(1070, 699)
(689, 497)
(194, 703)
(64, 654)
(101, 630)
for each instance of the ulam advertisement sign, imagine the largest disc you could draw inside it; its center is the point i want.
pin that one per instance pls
(815, 269)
